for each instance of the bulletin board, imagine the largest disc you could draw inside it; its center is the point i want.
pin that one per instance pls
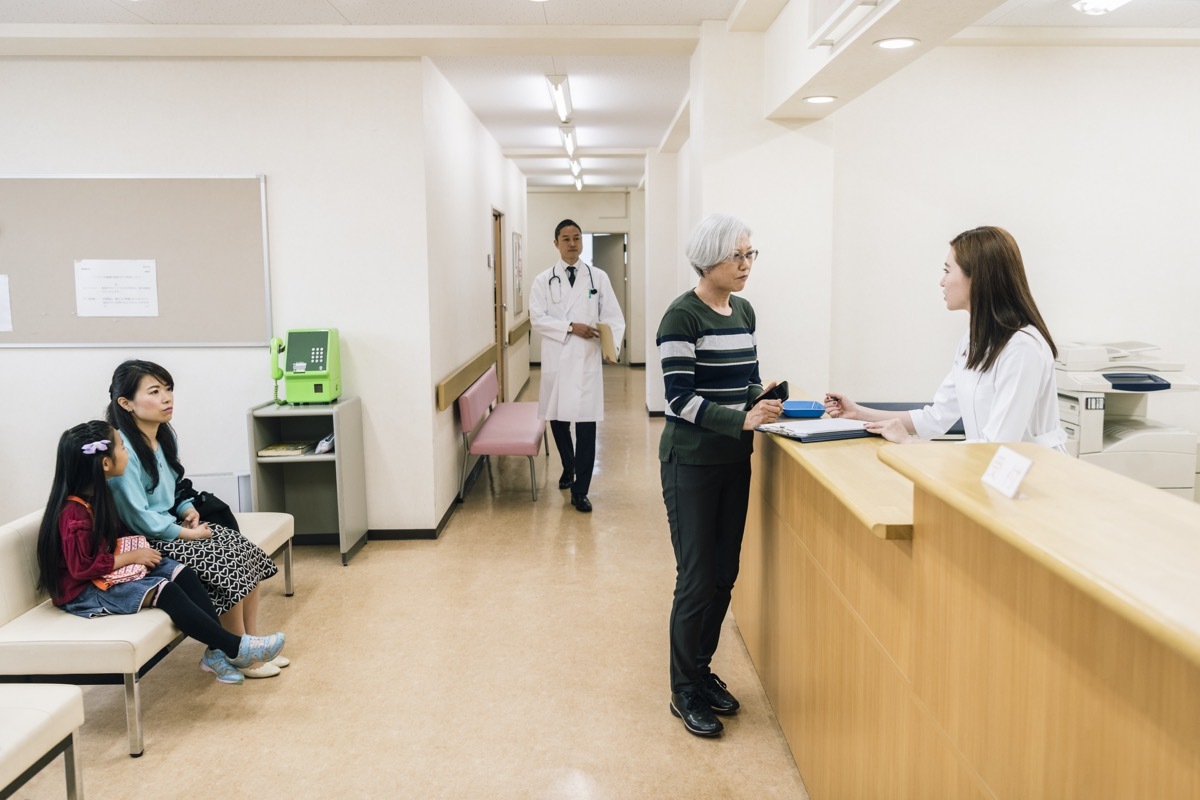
(205, 239)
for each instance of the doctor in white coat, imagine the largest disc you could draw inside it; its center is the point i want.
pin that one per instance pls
(1002, 381)
(566, 303)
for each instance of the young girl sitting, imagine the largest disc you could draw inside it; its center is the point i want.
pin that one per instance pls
(76, 550)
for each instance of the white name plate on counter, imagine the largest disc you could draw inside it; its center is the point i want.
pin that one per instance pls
(1007, 470)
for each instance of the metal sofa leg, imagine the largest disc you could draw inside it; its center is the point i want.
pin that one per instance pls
(289, 588)
(133, 714)
(532, 477)
(71, 764)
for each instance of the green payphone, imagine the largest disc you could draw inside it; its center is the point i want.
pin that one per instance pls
(312, 371)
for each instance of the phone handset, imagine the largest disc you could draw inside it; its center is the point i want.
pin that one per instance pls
(276, 373)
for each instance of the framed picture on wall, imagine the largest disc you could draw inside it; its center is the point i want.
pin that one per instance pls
(518, 263)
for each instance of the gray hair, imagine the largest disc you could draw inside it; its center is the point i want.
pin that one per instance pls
(714, 240)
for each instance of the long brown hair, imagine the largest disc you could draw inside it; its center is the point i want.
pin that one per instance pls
(1001, 303)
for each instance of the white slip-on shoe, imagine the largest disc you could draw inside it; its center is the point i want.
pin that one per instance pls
(264, 670)
(280, 661)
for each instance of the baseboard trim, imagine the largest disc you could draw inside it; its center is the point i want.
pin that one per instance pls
(400, 534)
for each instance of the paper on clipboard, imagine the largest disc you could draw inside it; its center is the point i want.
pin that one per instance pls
(607, 348)
(818, 430)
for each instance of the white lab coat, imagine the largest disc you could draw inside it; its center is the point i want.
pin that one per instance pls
(572, 387)
(1014, 401)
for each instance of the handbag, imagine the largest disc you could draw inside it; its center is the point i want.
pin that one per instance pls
(127, 573)
(210, 507)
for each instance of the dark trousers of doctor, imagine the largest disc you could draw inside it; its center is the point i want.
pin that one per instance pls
(578, 458)
(706, 509)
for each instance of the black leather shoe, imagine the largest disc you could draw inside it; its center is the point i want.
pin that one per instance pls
(581, 503)
(697, 717)
(712, 689)
(566, 479)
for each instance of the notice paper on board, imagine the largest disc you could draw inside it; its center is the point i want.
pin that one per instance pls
(5, 306)
(116, 287)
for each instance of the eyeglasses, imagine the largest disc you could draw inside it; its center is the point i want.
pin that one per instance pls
(749, 255)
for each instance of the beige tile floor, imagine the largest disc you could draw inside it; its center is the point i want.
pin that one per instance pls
(521, 655)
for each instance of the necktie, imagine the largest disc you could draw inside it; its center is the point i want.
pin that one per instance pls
(571, 275)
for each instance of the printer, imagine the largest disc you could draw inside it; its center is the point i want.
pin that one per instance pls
(1103, 391)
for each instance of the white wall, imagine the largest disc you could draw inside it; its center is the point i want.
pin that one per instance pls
(1087, 155)
(467, 177)
(663, 255)
(341, 145)
(779, 181)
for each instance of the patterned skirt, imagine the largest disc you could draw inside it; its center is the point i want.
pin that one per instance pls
(229, 564)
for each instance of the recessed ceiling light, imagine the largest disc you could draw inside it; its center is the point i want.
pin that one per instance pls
(579, 184)
(820, 98)
(576, 167)
(897, 43)
(1095, 8)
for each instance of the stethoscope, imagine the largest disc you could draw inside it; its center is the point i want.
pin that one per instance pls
(555, 277)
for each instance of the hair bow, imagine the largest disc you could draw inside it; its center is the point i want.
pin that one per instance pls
(91, 449)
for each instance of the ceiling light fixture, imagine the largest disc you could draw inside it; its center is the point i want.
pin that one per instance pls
(897, 43)
(560, 96)
(1095, 8)
(579, 184)
(820, 98)
(568, 139)
(576, 167)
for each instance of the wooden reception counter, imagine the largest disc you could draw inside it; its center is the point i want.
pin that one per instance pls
(922, 636)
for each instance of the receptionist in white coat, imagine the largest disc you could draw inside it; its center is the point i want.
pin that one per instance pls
(566, 303)
(1002, 382)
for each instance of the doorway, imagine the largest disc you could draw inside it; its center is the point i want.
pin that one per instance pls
(609, 252)
(501, 308)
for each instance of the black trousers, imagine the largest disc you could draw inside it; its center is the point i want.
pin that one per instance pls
(578, 458)
(187, 603)
(706, 509)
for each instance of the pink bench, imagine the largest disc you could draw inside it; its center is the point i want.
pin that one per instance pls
(511, 429)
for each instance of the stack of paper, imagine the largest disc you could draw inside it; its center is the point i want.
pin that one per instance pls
(286, 449)
(818, 430)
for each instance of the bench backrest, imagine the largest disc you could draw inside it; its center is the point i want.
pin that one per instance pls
(473, 404)
(19, 567)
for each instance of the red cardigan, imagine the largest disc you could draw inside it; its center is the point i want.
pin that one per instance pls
(80, 561)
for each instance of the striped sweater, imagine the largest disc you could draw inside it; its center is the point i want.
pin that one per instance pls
(710, 368)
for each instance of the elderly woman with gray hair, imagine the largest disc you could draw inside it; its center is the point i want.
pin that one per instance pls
(710, 367)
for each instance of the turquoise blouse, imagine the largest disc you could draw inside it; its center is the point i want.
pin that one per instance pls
(152, 514)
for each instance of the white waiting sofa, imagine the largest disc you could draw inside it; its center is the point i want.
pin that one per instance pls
(40, 721)
(40, 643)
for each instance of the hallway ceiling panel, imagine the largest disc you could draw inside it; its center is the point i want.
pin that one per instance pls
(627, 61)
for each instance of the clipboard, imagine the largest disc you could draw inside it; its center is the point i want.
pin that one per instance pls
(818, 430)
(607, 349)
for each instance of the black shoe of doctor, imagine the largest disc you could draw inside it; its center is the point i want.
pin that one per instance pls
(581, 503)
(566, 479)
(697, 717)
(712, 689)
